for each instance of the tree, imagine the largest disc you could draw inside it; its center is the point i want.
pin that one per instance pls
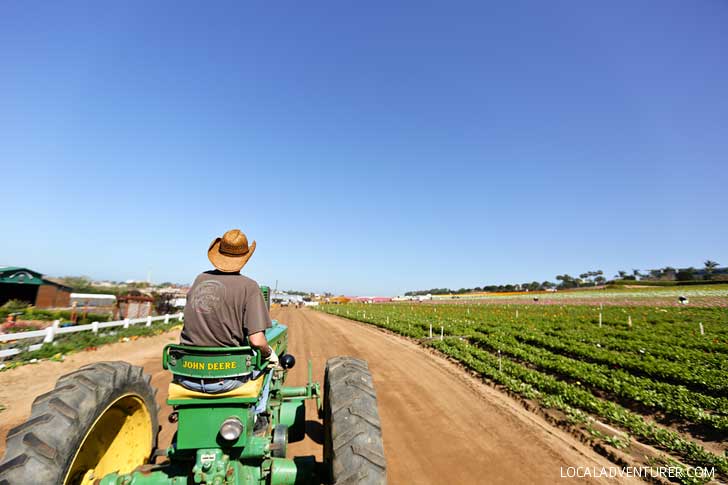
(636, 273)
(567, 281)
(709, 268)
(79, 283)
(621, 274)
(668, 273)
(685, 274)
(84, 284)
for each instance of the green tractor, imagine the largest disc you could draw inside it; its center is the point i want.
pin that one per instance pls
(99, 425)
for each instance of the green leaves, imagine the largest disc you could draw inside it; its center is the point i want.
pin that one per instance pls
(561, 357)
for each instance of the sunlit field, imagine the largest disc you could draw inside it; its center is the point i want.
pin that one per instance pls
(660, 374)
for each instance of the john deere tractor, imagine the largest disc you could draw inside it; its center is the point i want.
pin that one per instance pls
(99, 425)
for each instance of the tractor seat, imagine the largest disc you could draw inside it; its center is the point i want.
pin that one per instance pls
(212, 363)
(250, 389)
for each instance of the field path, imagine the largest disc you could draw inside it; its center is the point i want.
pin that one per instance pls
(439, 425)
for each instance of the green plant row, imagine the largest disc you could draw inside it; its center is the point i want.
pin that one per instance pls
(650, 330)
(664, 330)
(640, 347)
(489, 366)
(675, 400)
(617, 342)
(688, 367)
(701, 378)
(672, 326)
(677, 337)
(664, 342)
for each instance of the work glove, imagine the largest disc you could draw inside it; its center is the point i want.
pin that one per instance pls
(273, 360)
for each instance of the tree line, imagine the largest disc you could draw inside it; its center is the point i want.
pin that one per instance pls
(709, 272)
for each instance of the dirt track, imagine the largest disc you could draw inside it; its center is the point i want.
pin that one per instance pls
(439, 425)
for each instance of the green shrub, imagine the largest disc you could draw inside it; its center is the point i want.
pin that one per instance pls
(15, 305)
(32, 313)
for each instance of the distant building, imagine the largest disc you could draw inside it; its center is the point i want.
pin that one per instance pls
(369, 299)
(284, 299)
(134, 304)
(23, 284)
(93, 299)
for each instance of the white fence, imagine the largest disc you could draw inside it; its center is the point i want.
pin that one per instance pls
(50, 333)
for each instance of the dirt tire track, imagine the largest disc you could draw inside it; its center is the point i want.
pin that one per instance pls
(439, 424)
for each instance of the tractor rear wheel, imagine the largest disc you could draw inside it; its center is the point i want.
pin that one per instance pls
(99, 419)
(353, 450)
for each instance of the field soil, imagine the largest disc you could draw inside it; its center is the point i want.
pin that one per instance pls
(439, 424)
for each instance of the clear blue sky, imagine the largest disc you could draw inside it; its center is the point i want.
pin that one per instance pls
(369, 147)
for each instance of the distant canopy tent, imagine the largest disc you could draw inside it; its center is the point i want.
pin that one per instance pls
(23, 284)
(93, 299)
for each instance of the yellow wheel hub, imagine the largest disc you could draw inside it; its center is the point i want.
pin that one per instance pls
(119, 441)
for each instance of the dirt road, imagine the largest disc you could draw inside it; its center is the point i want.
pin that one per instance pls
(439, 425)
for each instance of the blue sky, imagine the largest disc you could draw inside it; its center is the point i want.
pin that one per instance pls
(368, 147)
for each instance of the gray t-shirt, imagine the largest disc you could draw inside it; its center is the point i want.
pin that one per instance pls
(222, 310)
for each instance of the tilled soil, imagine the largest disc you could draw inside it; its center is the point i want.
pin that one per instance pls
(439, 424)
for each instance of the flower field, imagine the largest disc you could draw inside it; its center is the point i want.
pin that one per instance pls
(704, 296)
(658, 374)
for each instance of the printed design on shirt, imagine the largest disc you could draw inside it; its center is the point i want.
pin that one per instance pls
(208, 296)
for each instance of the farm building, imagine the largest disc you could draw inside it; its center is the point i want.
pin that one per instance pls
(27, 285)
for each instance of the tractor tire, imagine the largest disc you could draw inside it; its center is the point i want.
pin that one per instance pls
(353, 449)
(101, 417)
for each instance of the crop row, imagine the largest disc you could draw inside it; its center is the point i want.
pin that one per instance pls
(701, 378)
(693, 368)
(561, 356)
(558, 391)
(622, 342)
(647, 331)
(638, 348)
(598, 368)
(675, 400)
(678, 327)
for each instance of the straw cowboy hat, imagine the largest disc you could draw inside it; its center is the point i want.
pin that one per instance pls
(230, 252)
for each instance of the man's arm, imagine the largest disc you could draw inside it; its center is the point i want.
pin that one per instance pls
(259, 342)
(256, 319)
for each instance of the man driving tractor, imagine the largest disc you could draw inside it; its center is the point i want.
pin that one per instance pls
(227, 309)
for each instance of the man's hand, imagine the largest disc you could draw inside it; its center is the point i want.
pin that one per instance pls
(273, 361)
(259, 342)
